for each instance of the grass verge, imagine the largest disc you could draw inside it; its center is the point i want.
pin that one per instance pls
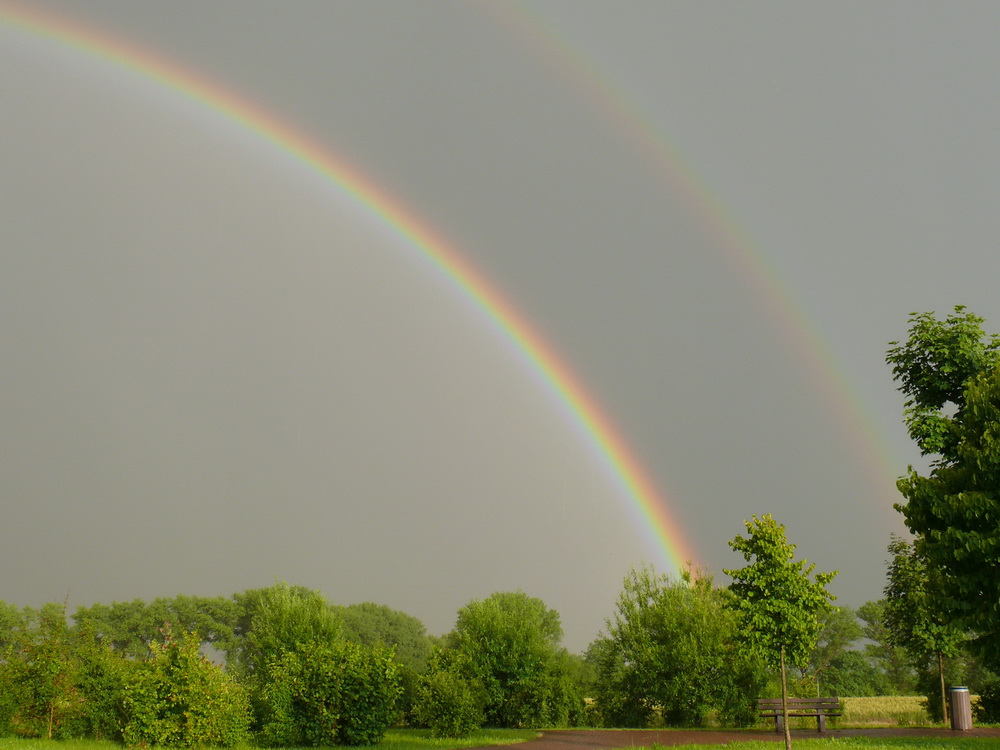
(395, 739)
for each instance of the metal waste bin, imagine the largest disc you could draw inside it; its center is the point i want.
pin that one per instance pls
(961, 708)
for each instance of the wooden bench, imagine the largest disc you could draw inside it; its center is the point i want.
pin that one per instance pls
(818, 707)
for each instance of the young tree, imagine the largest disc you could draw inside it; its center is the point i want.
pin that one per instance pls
(779, 600)
(948, 371)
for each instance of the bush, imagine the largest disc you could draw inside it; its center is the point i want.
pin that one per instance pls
(987, 709)
(180, 699)
(323, 694)
(449, 704)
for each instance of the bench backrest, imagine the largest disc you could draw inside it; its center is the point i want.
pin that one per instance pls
(798, 704)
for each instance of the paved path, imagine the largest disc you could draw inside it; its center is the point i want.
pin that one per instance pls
(596, 739)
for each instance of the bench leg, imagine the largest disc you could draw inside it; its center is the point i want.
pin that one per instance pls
(821, 721)
(779, 723)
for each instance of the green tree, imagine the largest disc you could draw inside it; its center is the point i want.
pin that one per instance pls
(131, 627)
(839, 629)
(913, 616)
(377, 625)
(891, 659)
(948, 372)
(779, 600)
(40, 676)
(851, 673)
(449, 701)
(276, 620)
(177, 698)
(511, 643)
(671, 650)
(330, 693)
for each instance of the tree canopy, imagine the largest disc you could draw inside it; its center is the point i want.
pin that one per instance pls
(948, 372)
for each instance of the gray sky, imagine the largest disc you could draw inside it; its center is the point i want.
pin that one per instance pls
(219, 371)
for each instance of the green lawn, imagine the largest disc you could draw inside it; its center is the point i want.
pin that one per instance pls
(395, 739)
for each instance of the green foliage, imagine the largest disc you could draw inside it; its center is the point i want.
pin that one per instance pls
(448, 703)
(671, 653)
(178, 698)
(850, 673)
(101, 678)
(987, 709)
(276, 620)
(510, 645)
(838, 630)
(780, 604)
(913, 617)
(948, 372)
(893, 661)
(41, 675)
(129, 628)
(377, 625)
(320, 694)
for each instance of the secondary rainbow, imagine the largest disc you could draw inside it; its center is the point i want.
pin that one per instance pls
(845, 405)
(599, 431)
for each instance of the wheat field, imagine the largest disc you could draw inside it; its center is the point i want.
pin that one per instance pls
(885, 710)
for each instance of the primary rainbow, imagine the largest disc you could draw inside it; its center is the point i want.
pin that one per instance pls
(603, 437)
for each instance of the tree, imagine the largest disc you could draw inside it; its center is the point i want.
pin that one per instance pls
(912, 615)
(275, 620)
(839, 629)
(778, 600)
(510, 642)
(948, 371)
(375, 624)
(671, 649)
(892, 660)
(177, 698)
(330, 693)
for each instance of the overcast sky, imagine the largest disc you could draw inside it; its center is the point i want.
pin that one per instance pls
(218, 371)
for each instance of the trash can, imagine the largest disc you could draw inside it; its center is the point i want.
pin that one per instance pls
(961, 708)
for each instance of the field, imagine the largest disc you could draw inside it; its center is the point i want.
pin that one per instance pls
(884, 711)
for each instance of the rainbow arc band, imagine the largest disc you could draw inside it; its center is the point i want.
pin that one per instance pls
(645, 503)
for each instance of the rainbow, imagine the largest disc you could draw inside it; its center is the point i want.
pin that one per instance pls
(847, 409)
(645, 502)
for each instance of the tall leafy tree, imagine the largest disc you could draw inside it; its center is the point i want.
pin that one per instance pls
(948, 371)
(779, 599)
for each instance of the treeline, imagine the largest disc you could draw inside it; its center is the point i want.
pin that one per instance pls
(282, 666)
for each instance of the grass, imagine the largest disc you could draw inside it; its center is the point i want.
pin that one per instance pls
(395, 739)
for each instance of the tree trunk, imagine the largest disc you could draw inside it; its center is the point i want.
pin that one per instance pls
(784, 703)
(944, 699)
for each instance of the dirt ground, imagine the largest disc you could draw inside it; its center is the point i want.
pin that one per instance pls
(582, 739)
